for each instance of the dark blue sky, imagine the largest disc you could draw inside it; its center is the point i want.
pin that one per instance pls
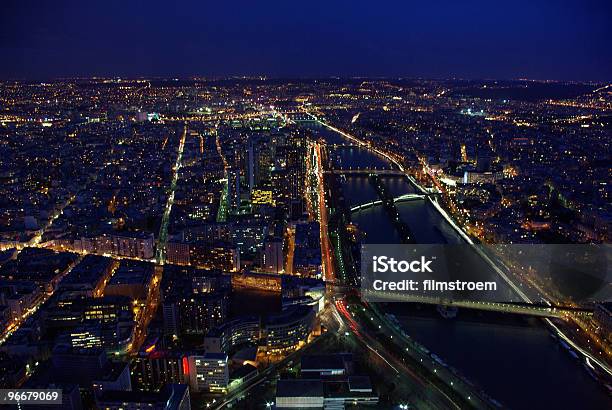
(540, 39)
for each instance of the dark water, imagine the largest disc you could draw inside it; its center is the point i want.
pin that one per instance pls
(520, 366)
(356, 158)
(358, 190)
(375, 226)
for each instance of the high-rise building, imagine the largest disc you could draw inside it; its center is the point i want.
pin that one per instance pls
(177, 253)
(209, 372)
(155, 369)
(273, 255)
(233, 189)
(259, 161)
(251, 167)
(170, 311)
(234, 333)
(199, 313)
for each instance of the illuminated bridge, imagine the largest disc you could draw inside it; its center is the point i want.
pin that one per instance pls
(391, 172)
(401, 198)
(515, 308)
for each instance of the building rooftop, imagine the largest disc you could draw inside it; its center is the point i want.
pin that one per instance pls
(320, 362)
(299, 388)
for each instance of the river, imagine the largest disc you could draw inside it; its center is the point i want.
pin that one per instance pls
(514, 359)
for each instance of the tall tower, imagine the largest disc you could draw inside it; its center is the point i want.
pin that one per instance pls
(233, 189)
(251, 166)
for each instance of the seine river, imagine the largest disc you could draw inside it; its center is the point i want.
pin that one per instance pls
(514, 359)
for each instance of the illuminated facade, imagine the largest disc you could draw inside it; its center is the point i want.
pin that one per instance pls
(259, 281)
(288, 329)
(238, 332)
(209, 373)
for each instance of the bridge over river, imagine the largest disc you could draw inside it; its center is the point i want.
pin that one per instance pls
(372, 171)
(401, 198)
(528, 309)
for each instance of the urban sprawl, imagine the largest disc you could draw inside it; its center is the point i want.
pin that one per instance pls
(195, 243)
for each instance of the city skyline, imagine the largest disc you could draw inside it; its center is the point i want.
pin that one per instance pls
(204, 242)
(276, 205)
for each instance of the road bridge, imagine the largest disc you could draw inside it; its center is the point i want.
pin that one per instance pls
(368, 171)
(515, 308)
(401, 198)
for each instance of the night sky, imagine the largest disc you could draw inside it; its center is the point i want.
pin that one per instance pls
(557, 39)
